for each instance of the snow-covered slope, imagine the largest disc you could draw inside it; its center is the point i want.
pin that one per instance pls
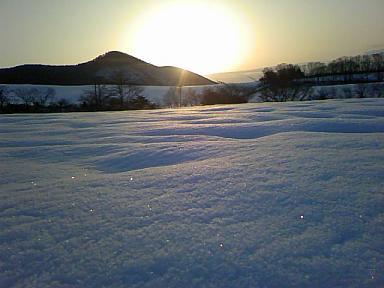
(256, 195)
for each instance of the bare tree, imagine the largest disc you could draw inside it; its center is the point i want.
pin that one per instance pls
(62, 103)
(378, 65)
(120, 80)
(42, 97)
(350, 67)
(241, 93)
(283, 83)
(96, 97)
(124, 88)
(191, 97)
(345, 68)
(366, 64)
(171, 98)
(27, 95)
(315, 69)
(132, 92)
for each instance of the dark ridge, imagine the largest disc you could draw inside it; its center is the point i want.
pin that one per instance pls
(102, 70)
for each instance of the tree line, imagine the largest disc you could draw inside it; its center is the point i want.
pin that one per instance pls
(27, 99)
(224, 93)
(289, 82)
(121, 96)
(285, 83)
(361, 68)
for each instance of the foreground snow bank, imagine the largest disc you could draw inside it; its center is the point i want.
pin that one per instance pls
(256, 195)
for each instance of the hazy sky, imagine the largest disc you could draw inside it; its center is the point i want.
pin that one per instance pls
(232, 35)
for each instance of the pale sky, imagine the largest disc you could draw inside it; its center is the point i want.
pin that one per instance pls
(202, 36)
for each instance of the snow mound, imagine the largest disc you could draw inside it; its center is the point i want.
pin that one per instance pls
(253, 195)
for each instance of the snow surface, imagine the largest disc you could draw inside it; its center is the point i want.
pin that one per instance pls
(254, 195)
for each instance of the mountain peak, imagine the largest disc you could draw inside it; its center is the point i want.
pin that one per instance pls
(117, 57)
(115, 54)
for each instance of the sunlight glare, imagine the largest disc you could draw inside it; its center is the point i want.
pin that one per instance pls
(199, 37)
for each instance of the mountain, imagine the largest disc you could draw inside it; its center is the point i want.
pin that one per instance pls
(102, 69)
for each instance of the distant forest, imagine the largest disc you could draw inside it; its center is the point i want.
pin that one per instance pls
(98, 98)
(362, 68)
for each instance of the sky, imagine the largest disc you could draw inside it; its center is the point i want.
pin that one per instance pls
(202, 36)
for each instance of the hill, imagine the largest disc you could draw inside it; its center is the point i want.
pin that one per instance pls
(102, 69)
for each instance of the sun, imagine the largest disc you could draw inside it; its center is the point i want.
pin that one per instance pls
(200, 37)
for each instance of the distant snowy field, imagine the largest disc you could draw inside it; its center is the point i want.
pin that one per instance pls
(254, 195)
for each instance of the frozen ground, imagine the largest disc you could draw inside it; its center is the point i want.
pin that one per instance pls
(255, 195)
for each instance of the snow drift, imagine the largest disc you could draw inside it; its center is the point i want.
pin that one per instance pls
(255, 195)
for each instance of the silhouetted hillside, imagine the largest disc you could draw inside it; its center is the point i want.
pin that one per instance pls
(102, 70)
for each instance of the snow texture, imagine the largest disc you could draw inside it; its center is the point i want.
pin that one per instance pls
(254, 195)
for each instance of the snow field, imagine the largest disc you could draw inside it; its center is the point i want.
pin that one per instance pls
(254, 195)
